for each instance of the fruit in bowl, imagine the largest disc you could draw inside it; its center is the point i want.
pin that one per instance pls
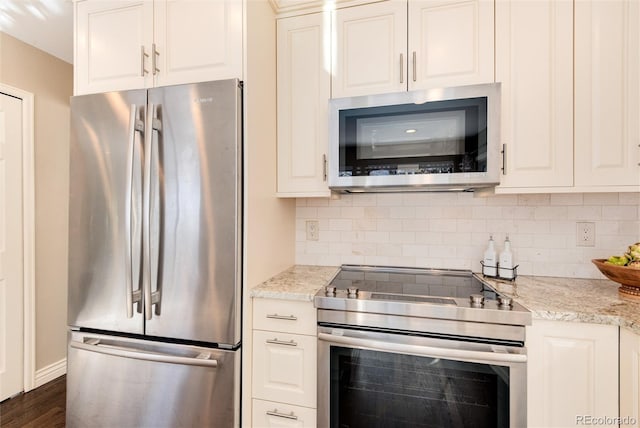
(630, 259)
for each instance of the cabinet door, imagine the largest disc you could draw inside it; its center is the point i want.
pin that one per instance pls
(284, 368)
(629, 378)
(450, 43)
(267, 414)
(370, 44)
(109, 41)
(572, 370)
(303, 95)
(607, 92)
(197, 40)
(534, 51)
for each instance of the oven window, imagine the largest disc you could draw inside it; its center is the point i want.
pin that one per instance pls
(431, 138)
(381, 389)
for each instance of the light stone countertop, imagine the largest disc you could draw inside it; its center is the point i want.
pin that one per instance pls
(299, 282)
(551, 298)
(572, 299)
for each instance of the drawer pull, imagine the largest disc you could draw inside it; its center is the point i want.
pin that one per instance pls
(282, 342)
(275, 412)
(282, 317)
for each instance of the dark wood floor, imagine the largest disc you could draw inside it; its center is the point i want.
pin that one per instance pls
(41, 408)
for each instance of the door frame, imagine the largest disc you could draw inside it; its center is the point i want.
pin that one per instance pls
(28, 233)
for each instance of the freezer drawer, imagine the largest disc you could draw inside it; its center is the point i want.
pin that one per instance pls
(116, 381)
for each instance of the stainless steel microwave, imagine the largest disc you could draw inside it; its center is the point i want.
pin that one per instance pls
(436, 139)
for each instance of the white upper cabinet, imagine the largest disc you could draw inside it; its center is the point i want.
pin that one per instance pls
(607, 81)
(450, 43)
(110, 37)
(122, 45)
(396, 46)
(370, 44)
(304, 86)
(534, 63)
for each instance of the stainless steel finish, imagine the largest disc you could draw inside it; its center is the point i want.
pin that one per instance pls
(505, 301)
(446, 327)
(143, 55)
(476, 299)
(324, 167)
(415, 66)
(101, 195)
(154, 59)
(352, 293)
(275, 413)
(141, 389)
(515, 361)
(419, 182)
(282, 342)
(282, 317)
(196, 234)
(330, 290)
(128, 212)
(146, 219)
(504, 159)
(401, 68)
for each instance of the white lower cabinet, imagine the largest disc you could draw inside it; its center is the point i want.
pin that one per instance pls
(572, 373)
(284, 363)
(272, 414)
(629, 379)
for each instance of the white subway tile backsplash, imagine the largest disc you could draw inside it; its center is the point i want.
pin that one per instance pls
(450, 230)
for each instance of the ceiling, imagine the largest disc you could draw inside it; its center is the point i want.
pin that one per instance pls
(45, 24)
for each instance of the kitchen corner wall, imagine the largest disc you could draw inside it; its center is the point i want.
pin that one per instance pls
(50, 80)
(450, 230)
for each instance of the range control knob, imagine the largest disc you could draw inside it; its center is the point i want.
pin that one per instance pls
(476, 300)
(352, 292)
(330, 290)
(504, 302)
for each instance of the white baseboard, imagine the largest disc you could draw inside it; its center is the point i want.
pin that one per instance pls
(51, 372)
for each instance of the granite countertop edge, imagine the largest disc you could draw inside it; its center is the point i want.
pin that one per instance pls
(548, 298)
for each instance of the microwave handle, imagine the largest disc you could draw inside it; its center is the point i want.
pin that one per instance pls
(504, 159)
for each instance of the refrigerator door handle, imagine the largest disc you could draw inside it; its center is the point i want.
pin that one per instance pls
(150, 298)
(202, 359)
(133, 296)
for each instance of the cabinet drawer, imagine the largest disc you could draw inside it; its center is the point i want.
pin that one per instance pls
(268, 414)
(287, 316)
(284, 367)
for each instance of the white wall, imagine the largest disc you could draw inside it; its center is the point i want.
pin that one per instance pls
(450, 230)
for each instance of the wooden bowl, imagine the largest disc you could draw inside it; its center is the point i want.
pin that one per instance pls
(628, 278)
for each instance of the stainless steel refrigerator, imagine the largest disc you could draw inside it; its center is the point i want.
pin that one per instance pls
(155, 244)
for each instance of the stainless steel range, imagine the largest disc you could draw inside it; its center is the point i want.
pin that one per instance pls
(419, 348)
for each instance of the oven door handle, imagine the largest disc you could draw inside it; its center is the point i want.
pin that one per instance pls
(498, 355)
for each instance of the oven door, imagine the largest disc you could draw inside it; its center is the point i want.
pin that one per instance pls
(380, 379)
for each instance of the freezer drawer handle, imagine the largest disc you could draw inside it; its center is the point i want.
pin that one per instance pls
(282, 342)
(282, 317)
(94, 345)
(275, 412)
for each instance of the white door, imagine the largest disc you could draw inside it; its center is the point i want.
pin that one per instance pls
(370, 49)
(11, 247)
(197, 40)
(450, 43)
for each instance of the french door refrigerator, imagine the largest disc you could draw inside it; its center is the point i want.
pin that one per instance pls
(155, 211)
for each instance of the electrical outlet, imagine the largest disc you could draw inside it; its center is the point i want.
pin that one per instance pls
(585, 234)
(313, 231)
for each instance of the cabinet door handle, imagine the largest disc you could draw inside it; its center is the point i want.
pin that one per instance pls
(414, 66)
(324, 167)
(282, 342)
(401, 68)
(504, 159)
(154, 59)
(143, 55)
(282, 317)
(275, 413)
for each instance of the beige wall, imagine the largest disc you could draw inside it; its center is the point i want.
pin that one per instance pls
(50, 80)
